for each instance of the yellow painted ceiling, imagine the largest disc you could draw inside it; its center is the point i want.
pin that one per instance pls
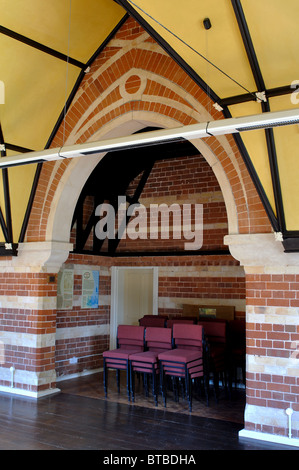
(273, 28)
(37, 84)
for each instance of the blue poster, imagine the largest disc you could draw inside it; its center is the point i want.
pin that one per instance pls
(90, 289)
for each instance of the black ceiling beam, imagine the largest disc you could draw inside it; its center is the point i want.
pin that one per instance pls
(113, 244)
(12, 250)
(167, 48)
(58, 123)
(254, 176)
(211, 93)
(270, 93)
(58, 55)
(130, 254)
(41, 47)
(248, 44)
(82, 234)
(256, 71)
(291, 244)
(79, 80)
(3, 226)
(30, 202)
(7, 228)
(17, 148)
(109, 187)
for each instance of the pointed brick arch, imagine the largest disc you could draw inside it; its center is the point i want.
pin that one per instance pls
(131, 84)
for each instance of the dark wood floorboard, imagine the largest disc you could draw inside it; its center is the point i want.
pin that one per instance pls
(228, 408)
(80, 418)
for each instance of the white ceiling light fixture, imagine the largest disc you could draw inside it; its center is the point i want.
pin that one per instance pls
(193, 131)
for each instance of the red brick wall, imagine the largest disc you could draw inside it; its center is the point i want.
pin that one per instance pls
(188, 179)
(272, 299)
(273, 343)
(209, 287)
(34, 284)
(273, 290)
(185, 180)
(87, 349)
(105, 79)
(172, 180)
(20, 291)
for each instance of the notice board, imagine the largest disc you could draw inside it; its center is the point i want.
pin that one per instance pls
(90, 289)
(65, 288)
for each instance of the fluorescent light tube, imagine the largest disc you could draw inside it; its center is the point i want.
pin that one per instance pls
(193, 131)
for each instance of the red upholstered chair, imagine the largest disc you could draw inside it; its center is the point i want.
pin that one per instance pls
(152, 320)
(130, 339)
(237, 349)
(216, 336)
(157, 340)
(186, 361)
(160, 315)
(188, 321)
(190, 318)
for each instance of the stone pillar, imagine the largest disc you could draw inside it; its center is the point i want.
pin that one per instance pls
(272, 336)
(28, 318)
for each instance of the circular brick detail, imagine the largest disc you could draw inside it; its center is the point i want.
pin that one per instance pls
(132, 85)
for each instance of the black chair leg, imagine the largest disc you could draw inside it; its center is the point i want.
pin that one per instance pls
(118, 380)
(189, 391)
(175, 389)
(216, 385)
(132, 383)
(154, 385)
(145, 379)
(128, 381)
(183, 387)
(162, 385)
(206, 388)
(105, 378)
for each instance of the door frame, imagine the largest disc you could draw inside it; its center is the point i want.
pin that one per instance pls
(115, 287)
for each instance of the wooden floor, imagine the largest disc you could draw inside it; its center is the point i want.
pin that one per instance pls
(80, 418)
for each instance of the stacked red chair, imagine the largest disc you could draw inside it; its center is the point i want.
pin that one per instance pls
(157, 340)
(216, 336)
(152, 320)
(172, 321)
(236, 349)
(130, 340)
(186, 361)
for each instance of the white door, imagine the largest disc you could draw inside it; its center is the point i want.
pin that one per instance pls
(134, 294)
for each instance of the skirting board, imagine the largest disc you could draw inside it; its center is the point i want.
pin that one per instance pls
(260, 436)
(50, 391)
(27, 393)
(78, 374)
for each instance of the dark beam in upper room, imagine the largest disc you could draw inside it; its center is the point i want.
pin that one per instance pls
(41, 47)
(270, 93)
(260, 83)
(17, 148)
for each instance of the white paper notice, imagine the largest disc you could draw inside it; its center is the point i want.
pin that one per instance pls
(65, 287)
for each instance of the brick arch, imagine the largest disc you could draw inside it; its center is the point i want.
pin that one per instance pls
(131, 84)
(76, 174)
